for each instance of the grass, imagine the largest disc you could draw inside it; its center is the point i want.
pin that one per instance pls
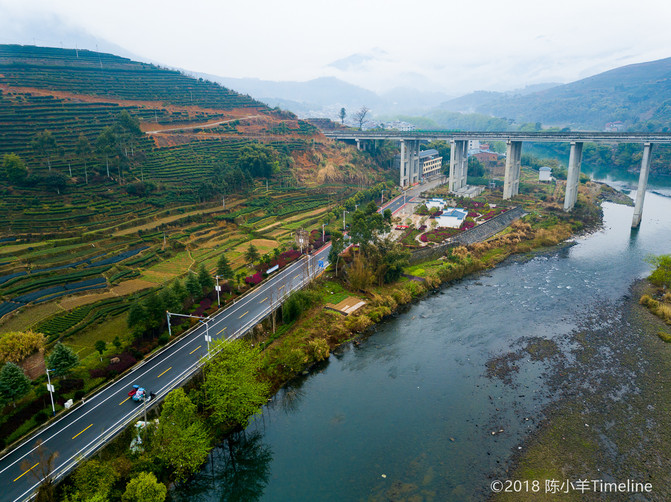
(664, 336)
(30, 316)
(83, 342)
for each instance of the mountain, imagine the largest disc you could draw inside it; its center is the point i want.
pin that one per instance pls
(325, 96)
(633, 94)
(302, 97)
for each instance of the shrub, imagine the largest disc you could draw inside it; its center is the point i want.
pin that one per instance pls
(15, 345)
(79, 394)
(664, 336)
(163, 339)
(41, 416)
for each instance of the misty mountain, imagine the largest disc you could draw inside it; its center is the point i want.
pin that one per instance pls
(632, 94)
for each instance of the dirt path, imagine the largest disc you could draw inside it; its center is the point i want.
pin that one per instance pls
(207, 125)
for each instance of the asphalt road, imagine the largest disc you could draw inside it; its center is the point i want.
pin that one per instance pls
(87, 427)
(80, 432)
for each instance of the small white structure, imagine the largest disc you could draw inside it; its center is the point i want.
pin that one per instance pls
(545, 174)
(452, 218)
(437, 203)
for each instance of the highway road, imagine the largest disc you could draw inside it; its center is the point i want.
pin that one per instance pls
(86, 428)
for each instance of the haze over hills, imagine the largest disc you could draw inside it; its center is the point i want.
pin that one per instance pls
(325, 96)
(631, 94)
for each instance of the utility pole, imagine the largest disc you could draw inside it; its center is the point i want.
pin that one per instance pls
(323, 234)
(343, 219)
(218, 288)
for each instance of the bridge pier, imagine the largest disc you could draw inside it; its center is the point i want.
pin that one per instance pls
(358, 143)
(511, 183)
(409, 162)
(458, 164)
(642, 185)
(573, 176)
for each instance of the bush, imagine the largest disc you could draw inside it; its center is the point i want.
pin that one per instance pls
(163, 339)
(664, 336)
(69, 384)
(79, 394)
(41, 416)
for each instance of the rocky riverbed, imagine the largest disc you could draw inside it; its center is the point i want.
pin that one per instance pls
(610, 420)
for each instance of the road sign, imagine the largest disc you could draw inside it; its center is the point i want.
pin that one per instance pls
(50, 388)
(208, 338)
(320, 263)
(217, 288)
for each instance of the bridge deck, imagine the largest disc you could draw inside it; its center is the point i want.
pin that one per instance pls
(578, 136)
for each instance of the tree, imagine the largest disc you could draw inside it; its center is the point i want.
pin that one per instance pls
(360, 116)
(44, 144)
(14, 384)
(251, 254)
(193, 286)
(259, 160)
(337, 247)
(17, 345)
(661, 276)
(144, 488)
(62, 359)
(232, 391)
(54, 181)
(181, 440)
(205, 279)
(40, 465)
(367, 225)
(84, 151)
(94, 478)
(239, 277)
(343, 114)
(137, 318)
(100, 346)
(14, 168)
(224, 267)
(117, 342)
(179, 291)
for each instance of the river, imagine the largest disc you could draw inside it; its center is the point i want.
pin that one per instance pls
(412, 412)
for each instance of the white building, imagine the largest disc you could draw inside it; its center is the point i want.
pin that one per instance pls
(452, 218)
(438, 203)
(545, 174)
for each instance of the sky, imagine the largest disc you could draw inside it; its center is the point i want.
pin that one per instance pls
(447, 46)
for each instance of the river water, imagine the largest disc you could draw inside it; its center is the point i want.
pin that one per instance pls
(410, 413)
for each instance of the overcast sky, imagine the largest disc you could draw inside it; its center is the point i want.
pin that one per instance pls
(454, 47)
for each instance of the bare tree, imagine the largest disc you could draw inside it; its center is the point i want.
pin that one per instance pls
(360, 116)
(40, 465)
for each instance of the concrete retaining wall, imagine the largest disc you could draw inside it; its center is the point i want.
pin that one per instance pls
(476, 234)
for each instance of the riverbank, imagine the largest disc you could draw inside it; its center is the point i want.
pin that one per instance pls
(300, 343)
(609, 420)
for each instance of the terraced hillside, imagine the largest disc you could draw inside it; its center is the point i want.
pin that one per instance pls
(119, 181)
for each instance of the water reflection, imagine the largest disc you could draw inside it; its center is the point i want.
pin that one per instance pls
(238, 470)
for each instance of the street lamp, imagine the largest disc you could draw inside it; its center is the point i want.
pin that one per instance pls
(218, 288)
(208, 338)
(382, 195)
(343, 219)
(50, 388)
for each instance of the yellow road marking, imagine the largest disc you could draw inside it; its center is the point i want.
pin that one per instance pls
(281, 286)
(263, 300)
(164, 372)
(243, 315)
(27, 471)
(195, 349)
(82, 431)
(296, 277)
(222, 331)
(124, 400)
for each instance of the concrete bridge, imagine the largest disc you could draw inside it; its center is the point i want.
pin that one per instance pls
(410, 141)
